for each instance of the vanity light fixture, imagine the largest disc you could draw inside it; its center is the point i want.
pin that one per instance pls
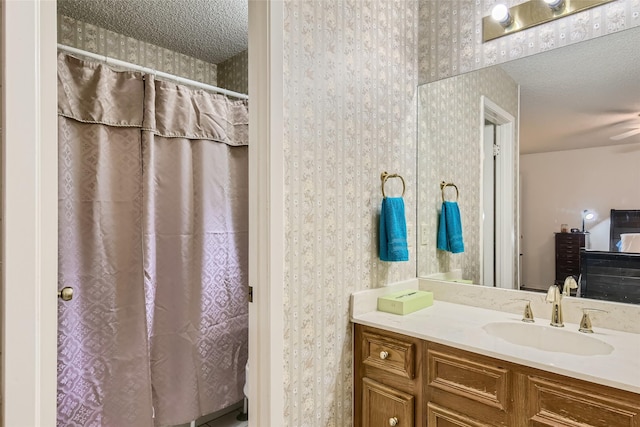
(504, 20)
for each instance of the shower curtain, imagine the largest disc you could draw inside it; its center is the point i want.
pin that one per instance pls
(153, 237)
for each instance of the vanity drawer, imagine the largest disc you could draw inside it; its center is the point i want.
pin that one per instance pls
(574, 402)
(477, 386)
(389, 354)
(438, 416)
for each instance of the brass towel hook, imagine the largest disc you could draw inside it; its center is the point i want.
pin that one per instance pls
(384, 176)
(444, 185)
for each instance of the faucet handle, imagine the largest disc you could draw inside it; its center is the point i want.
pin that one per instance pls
(585, 323)
(553, 294)
(527, 316)
(569, 283)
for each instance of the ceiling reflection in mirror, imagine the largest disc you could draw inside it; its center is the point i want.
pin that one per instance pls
(575, 144)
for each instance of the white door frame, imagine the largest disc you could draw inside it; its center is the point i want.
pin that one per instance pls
(30, 213)
(488, 260)
(266, 213)
(506, 245)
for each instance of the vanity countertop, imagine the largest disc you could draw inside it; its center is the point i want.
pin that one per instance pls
(461, 326)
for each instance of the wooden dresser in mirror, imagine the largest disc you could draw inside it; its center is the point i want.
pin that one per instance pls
(568, 247)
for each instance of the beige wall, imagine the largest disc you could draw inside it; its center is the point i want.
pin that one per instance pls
(557, 186)
(351, 70)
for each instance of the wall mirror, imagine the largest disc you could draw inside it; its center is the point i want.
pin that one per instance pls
(531, 145)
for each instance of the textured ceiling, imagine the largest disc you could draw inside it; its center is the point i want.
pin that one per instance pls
(578, 96)
(211, 30)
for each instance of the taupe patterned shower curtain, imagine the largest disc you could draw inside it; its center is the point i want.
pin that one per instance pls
(153, 237)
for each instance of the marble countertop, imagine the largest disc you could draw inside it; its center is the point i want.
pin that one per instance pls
(461, 326)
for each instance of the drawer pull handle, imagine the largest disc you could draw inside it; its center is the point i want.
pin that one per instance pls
(384, 355)
(393, 421)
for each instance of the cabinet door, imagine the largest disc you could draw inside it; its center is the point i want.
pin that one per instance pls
(384, 406)
(469, 384)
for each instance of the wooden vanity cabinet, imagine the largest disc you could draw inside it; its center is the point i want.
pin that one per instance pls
(387, 379)
(446, 387)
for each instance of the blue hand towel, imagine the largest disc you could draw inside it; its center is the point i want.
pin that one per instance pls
(393, 230)
(450, 229)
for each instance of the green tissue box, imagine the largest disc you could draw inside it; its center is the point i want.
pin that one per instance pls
(405, 302)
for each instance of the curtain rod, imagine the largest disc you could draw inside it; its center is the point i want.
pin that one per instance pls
(134, 67)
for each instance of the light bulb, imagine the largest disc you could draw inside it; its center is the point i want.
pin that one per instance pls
(555, 5)
(589, 216)
(500, 13)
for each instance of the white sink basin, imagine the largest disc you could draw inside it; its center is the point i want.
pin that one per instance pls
(548, 338)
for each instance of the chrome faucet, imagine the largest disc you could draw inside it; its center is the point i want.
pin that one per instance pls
(555, 298)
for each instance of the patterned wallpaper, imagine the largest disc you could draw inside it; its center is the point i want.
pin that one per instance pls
(351, 69)
(350, 77)
(451, 34)
(98, 40)
(233, 74)
(449, 150)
